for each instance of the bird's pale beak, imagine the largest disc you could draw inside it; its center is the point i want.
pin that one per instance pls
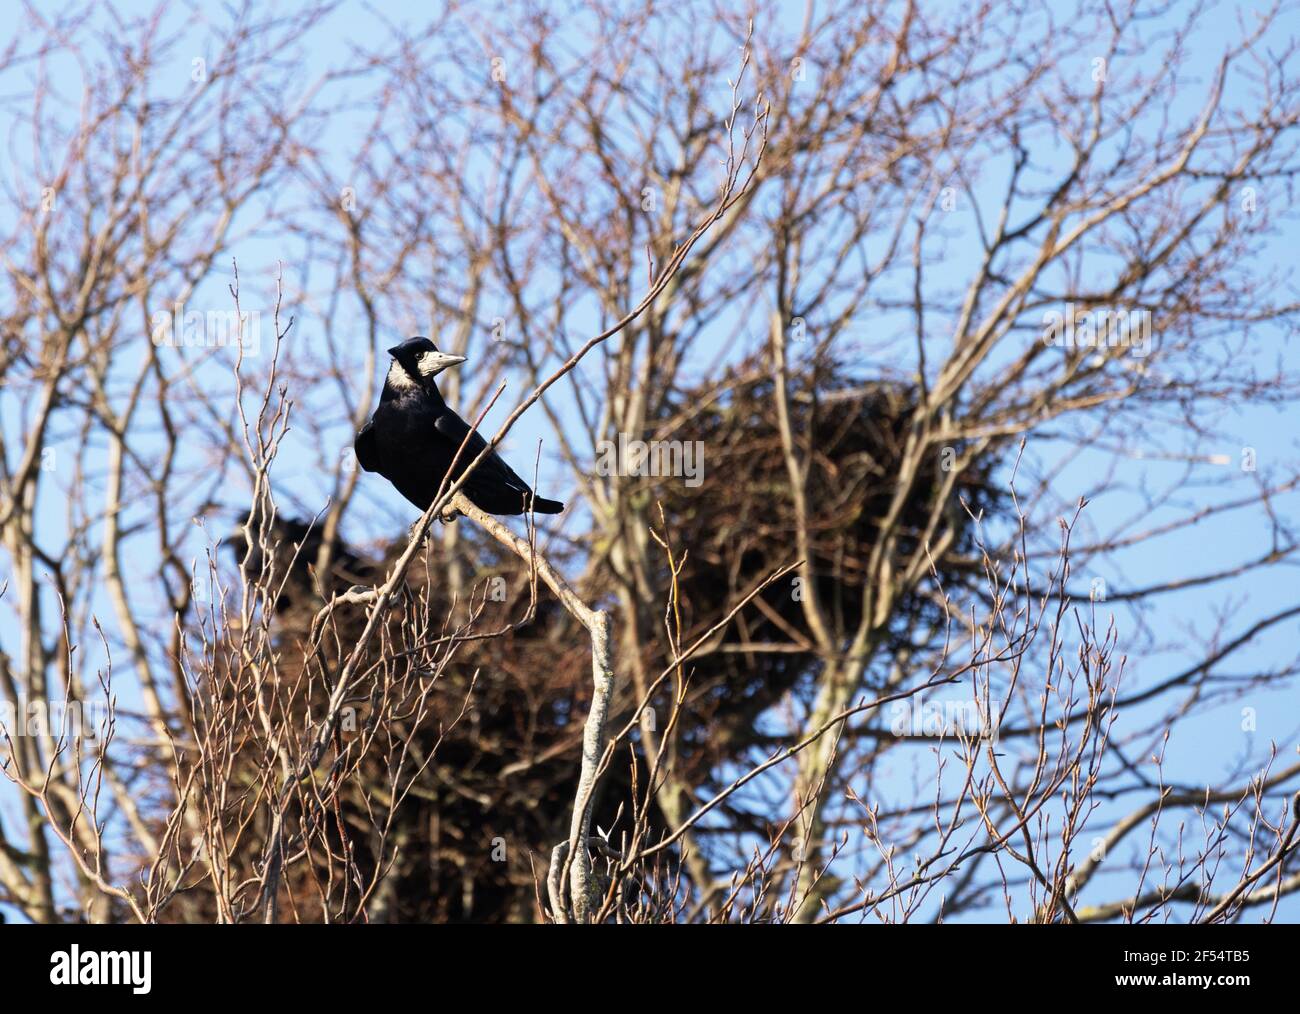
(444, 360)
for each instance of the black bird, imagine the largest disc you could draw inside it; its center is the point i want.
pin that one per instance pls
(413, 437)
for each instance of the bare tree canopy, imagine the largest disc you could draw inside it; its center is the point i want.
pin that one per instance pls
(920, 382)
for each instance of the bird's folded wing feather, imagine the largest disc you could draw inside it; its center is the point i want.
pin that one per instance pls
(367, 452)
(492, 469)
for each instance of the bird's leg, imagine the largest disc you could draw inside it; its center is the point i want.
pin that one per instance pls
(413, 531)
(449, 515)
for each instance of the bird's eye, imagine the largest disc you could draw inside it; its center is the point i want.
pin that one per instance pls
(421, 355)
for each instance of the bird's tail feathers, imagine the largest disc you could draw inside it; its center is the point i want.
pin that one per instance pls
(543, 506)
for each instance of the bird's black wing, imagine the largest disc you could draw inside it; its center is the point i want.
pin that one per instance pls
(367, 451)
(492, 474)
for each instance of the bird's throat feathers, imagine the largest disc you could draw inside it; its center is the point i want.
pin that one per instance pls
(398, 379)
(400, 385)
